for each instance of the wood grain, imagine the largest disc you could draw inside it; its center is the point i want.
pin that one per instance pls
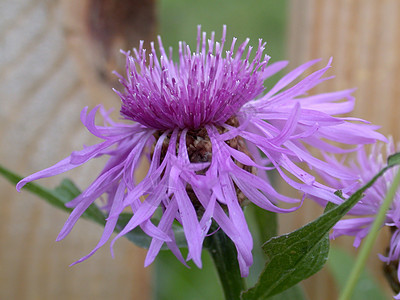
(95, 32)
(363, 37)
(41, 95)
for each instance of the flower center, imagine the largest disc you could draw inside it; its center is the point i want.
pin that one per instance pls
(199, 150)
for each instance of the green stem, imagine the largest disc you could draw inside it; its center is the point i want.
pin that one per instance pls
(369, 241)
(224, 255)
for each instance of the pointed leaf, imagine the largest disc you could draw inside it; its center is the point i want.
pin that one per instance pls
(36, 189)
(393, 159)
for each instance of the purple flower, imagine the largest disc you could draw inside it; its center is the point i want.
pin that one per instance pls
(209, 132)
(365, 167)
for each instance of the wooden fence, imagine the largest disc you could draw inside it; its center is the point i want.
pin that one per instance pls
(54, 60)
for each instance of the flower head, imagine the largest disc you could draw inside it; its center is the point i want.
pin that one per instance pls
(209, 134)
(205, 87)
(365, 167)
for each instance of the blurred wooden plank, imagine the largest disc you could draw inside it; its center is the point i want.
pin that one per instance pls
(96, 30)
(363, 36)
(41, 96)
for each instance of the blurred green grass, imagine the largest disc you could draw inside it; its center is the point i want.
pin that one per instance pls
(178, 20)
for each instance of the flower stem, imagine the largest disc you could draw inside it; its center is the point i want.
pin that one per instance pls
(369, 241)
(224, 255)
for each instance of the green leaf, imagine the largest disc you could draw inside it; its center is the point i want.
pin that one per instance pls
(290, 259)
(340, 264)
(393, 159)
(297, 255)
(267, 227)
(50, 196)
(68, 191)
